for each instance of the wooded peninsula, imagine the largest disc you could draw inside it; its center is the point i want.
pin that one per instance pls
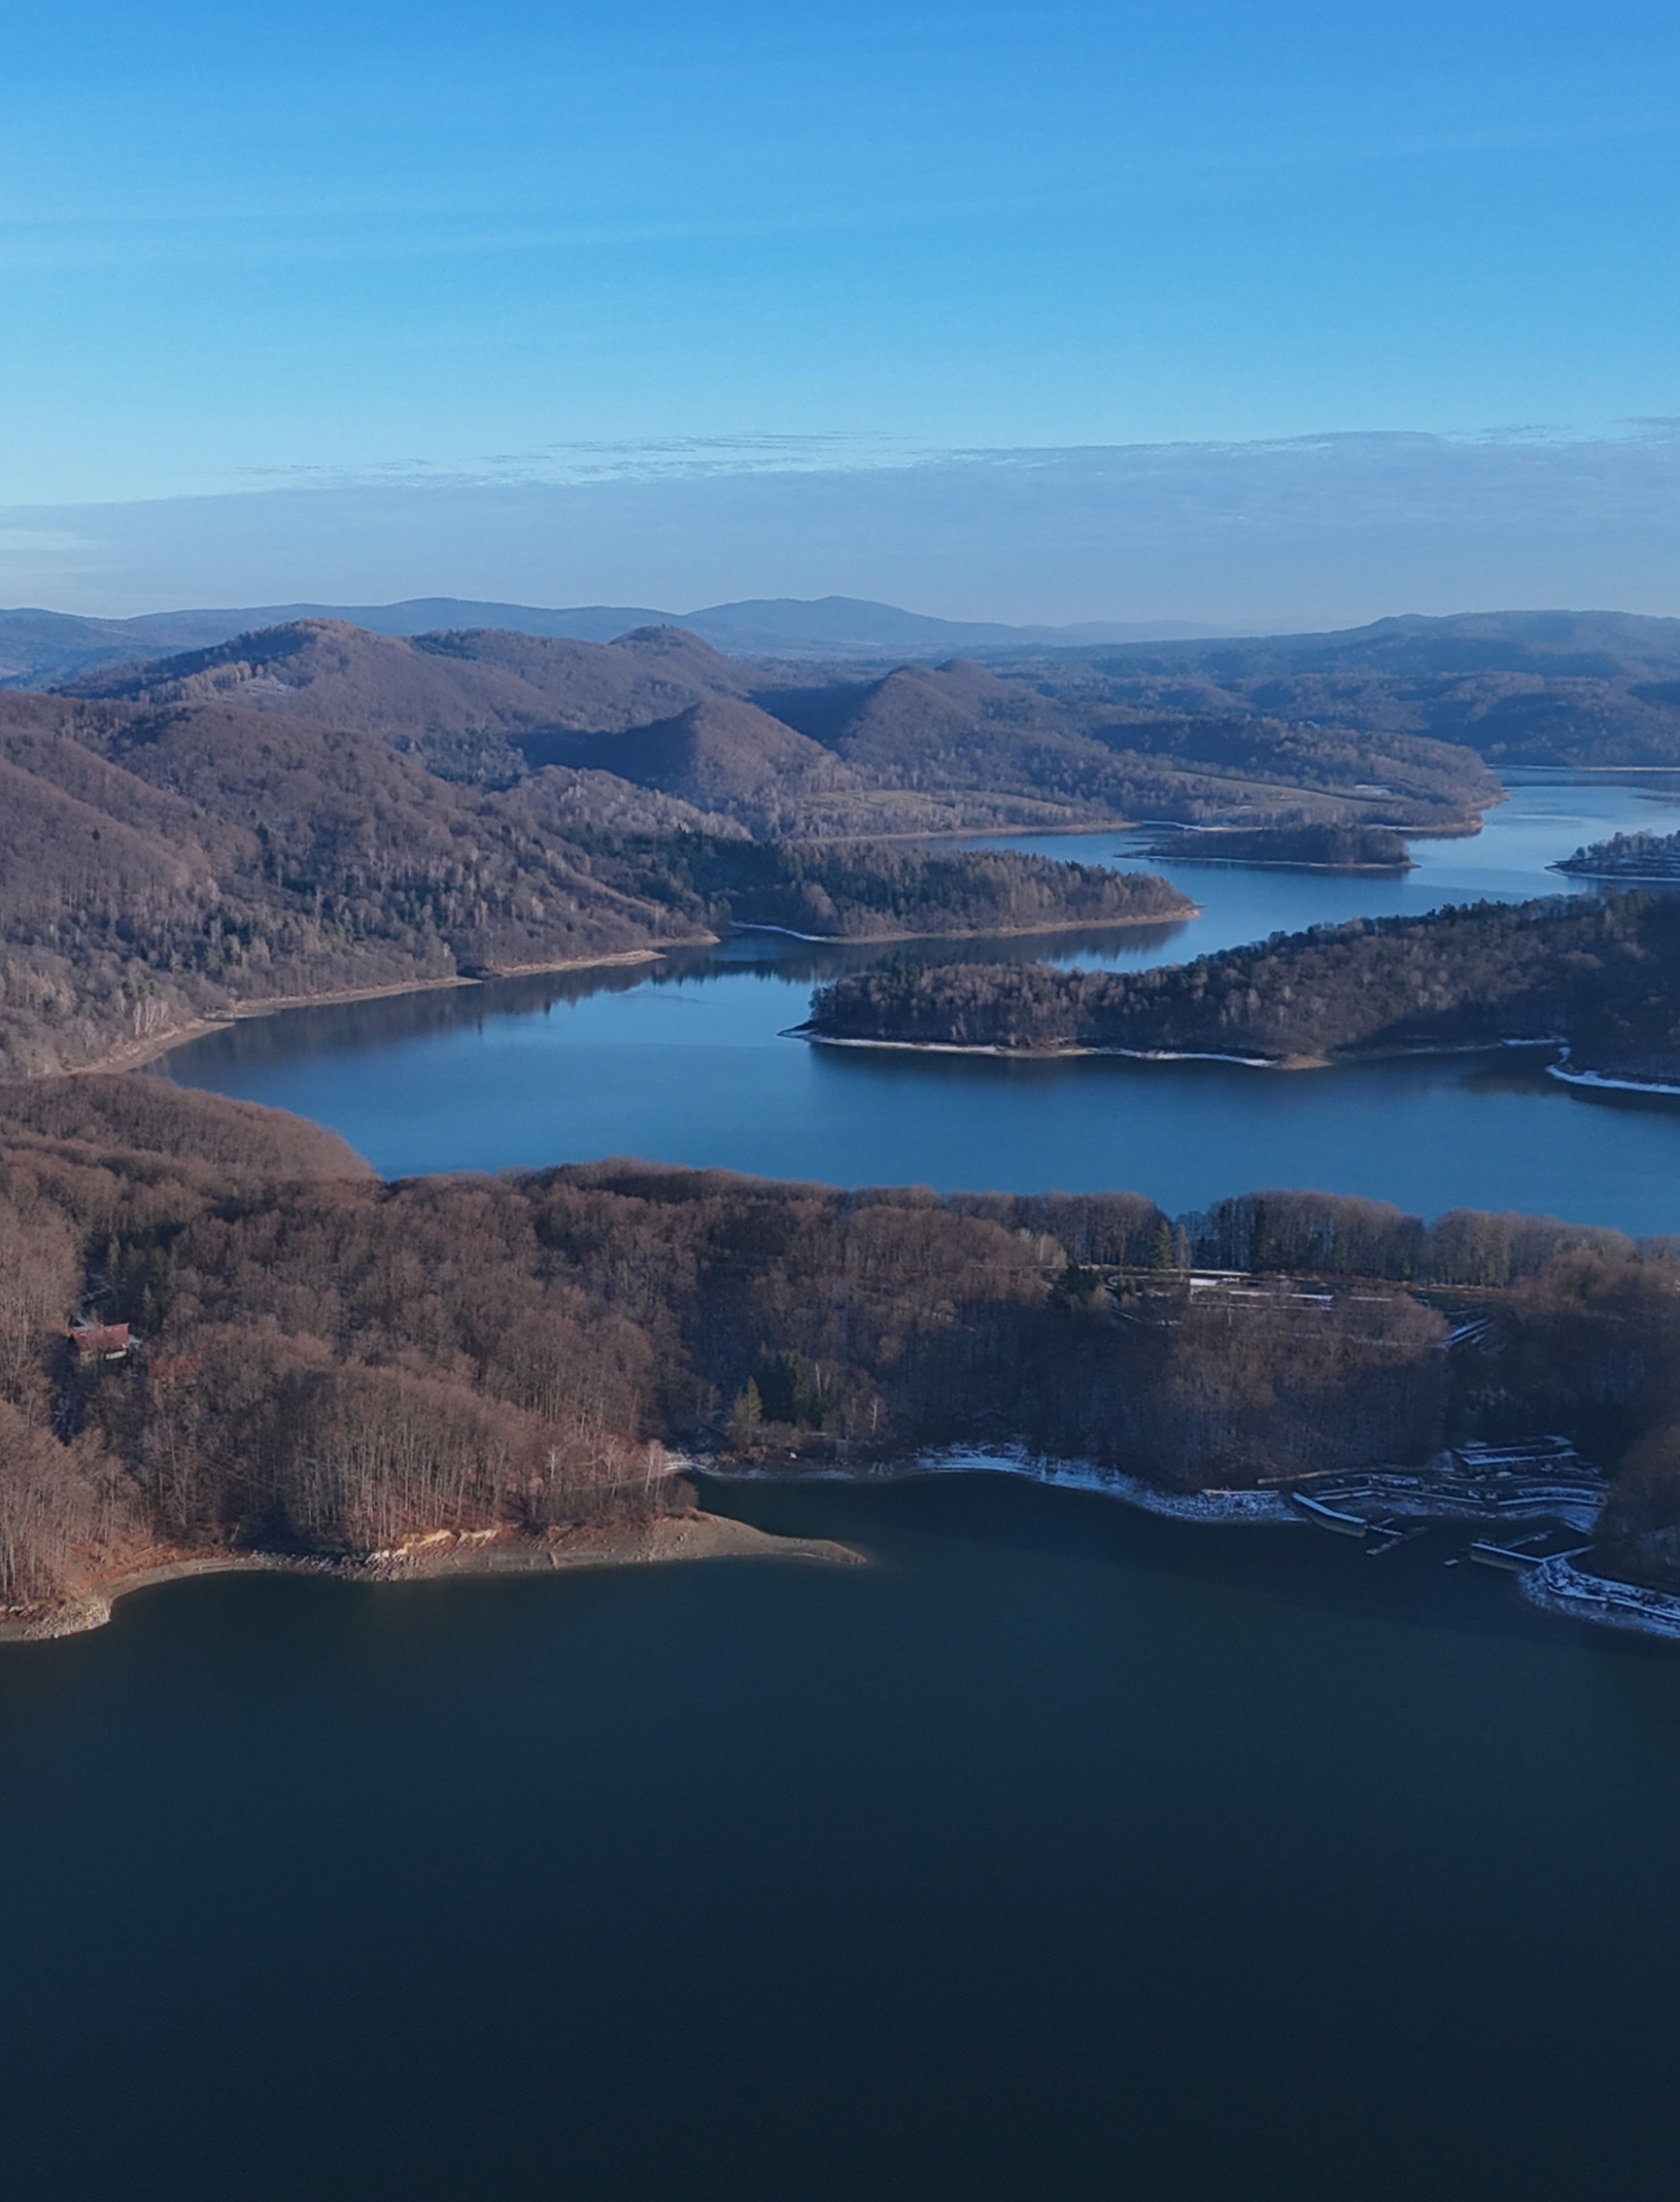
(221, 1334)
(1628, 858)
(1601, 977)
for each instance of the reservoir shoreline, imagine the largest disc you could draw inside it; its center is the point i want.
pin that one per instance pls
(1351, 1059)
(1553, 1586)
(668, 1538)
(136, 1054)
(1557, 1586)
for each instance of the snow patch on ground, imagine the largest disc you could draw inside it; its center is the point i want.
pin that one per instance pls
(1112, 1483)
(1062, 1475)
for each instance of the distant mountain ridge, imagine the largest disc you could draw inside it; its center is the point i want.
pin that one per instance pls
(1591, 645)
(40, 649)
(1556, 688)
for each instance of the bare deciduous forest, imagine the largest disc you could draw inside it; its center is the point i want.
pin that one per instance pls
(160, 866)
(323, 1363)
(1601, 976)
(314, 809)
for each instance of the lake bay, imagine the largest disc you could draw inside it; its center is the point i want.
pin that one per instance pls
(687, 1061)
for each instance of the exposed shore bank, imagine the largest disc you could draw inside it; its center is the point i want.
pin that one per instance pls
(690, 1536)
(135, 1054)
(1606, 1082)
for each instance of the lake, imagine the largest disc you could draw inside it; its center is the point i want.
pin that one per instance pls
(687, 1061)
(1063, 1854)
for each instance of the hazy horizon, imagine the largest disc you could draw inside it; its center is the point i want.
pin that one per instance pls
(1307, 534)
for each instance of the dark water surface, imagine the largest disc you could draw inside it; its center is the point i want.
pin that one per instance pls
(1062, 1853)
(686, 1061)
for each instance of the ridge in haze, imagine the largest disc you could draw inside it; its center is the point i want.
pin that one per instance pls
(39, 649)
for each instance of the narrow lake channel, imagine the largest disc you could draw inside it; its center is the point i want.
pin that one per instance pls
(686, 1061)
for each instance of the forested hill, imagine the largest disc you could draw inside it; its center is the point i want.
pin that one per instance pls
(41, 649)
(879, 890)
(316, 810)
(1315, 848)
(1602, 976)
(156, 865)
(162, 863)
(1520, 688)
(923, 749)
(318, 1363)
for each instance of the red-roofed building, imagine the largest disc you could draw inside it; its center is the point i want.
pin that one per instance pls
(101, 1341)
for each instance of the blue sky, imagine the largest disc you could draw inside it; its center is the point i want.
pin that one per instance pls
(359, 245)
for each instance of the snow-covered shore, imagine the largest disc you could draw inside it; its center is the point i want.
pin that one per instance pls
(1038, 1054)
(1558, 1586)
(1268, 1506)
(1555, 1585)
(1604, 1083)
(1257, 1507)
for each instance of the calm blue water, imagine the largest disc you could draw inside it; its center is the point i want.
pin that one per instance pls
(690, 1065)
(1061, 1856)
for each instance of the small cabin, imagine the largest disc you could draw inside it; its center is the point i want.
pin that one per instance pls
(100, 1342)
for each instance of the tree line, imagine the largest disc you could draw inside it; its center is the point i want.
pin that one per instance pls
(1317, 847)
(1628, 856)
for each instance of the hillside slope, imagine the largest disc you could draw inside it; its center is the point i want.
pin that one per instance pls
(921, 749)
(164, 862)
(156, 865)
(342, 675)
(321, 1366)
(1520, 688)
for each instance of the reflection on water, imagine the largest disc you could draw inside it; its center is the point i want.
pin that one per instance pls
(793, 966)
(685, 1060)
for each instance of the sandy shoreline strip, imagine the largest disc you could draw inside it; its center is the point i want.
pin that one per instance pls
(667, 1538)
